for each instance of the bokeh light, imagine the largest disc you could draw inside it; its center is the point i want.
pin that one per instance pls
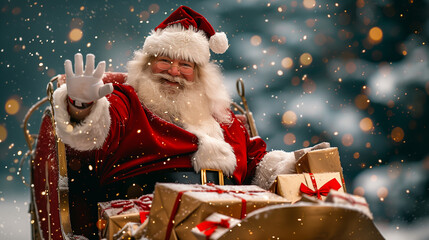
(366, 124)
(289, 139)
(287, 62)
(75, 35)
(397, 134)
(144, 15)
(360, 191)
(347, 140)
(3, 133)
(12, 106)
(306, 143)
(309, 4)
(289, 118)
(306, 59)
(255, 40)
(382, 192)
(362, 101)
(375, 35)
(356, 155)
(153, 8)
(16, 10)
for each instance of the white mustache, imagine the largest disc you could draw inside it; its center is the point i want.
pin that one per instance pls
(179, 80)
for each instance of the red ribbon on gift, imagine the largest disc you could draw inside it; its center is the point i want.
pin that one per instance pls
(209, 227)
(143, 216)
(350, 200)
(214, 189)
(324, 190)
(143, 204)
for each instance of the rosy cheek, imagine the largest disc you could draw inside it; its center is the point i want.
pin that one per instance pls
(189, 78)
(154, 68)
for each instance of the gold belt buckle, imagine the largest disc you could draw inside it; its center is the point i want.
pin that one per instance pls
(204, 175)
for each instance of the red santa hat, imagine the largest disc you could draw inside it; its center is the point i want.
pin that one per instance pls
(187, 35)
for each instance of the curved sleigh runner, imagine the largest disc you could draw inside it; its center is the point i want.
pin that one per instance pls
(52, 204)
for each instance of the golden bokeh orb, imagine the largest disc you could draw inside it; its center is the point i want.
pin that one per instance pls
(366, 124)
(75, 35)
(289, 118)
(306, 59)
(397, 134)
(12, 106)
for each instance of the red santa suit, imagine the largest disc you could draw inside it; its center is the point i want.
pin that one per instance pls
(140, 142)
(129, 140)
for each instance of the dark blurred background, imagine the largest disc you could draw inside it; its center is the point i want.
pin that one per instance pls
(353, 73)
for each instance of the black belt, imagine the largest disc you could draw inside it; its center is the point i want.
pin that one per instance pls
(147, 181)
(191, 177)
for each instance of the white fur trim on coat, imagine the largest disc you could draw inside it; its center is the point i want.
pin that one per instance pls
(272, 164)
(213, 152)
(179, 43)
(88, 134)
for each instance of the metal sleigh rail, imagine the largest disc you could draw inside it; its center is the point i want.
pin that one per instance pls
(63, 194)
(62, 165)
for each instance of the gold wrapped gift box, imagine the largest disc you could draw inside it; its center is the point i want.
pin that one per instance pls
(177, 208)
(114, 215)
(289, 185)
(320, 161)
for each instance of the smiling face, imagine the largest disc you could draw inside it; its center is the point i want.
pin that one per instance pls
(168, 88)
(179, 70)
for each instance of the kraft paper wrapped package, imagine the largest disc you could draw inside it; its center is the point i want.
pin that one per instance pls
(320, 161)
(177, 208)
(214, 226)
(114, 215)
(294, 186)
(357, 202)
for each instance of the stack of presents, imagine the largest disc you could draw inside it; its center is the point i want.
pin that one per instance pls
(187, 211)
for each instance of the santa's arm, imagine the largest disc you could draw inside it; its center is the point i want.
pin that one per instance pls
(81, 110)
(88, 133)
(272, 164)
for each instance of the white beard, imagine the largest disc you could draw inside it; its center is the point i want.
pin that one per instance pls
(187, 106)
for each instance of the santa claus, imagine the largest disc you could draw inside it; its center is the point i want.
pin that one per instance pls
(169, 122)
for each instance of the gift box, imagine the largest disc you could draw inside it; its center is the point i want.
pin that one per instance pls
(177, 208)
(294, 186)
(353, 201)
(214, 227)
(321, 161)
(114, 215)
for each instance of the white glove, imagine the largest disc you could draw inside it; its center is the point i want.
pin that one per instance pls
(88, 86)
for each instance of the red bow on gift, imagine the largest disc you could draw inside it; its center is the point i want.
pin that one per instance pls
(324, 190)
(208, 227)
(143, 204)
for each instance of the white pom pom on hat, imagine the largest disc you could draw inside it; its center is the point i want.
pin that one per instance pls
(169, 38)
(218, 42)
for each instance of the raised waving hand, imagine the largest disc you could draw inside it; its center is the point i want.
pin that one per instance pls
(86, 85)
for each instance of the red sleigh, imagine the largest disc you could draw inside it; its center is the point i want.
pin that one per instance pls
(50, 207)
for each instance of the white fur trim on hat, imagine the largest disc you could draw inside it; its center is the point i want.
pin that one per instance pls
(178, 42)
(90, 133)
(272, 164)
(218, 43)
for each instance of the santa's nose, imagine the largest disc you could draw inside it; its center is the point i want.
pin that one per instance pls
(174, 70)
